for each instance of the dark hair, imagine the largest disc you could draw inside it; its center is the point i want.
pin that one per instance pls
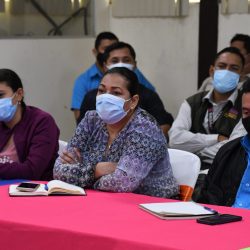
(129, 76)
(11, 79)
(243, 38)
(104, 35)
(246, 86)
(232, 50)
(116, 46)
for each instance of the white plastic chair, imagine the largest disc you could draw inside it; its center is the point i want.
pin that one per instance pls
(186, 167)
(62, 146)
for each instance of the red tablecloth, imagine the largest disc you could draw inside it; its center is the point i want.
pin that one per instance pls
(108, 221)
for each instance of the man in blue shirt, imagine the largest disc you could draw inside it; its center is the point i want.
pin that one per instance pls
(228, 179)
(91, 78)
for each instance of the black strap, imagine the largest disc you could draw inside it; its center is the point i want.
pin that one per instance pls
(210, 117)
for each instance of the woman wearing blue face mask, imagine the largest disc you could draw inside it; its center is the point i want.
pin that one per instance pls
(119, 147)
(28, 135)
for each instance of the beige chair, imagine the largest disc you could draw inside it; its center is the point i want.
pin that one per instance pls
(186, 167)
(62, 146)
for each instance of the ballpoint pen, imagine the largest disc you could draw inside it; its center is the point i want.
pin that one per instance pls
(211, 210)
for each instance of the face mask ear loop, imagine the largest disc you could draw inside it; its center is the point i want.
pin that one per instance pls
(130, 107)
(13, 98)
(128, 99)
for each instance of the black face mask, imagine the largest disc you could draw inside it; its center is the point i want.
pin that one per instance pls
(246, 124)
(100, 58)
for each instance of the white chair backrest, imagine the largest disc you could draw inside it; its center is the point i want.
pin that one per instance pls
(186, 167)
(62, 146)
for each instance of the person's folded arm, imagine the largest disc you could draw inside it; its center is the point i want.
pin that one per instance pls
(180, 136)
(210, 152)
(104, 168)
(70, 167)
(139, 157)
(78, 174)
(75, 170)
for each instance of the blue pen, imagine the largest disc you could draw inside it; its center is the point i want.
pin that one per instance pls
(211, 210)
(46, 187)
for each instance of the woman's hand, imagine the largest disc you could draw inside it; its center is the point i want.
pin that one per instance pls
(104, 168)
(71, 158)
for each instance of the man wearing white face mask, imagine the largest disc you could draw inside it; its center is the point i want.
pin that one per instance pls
(208, 120)
(91, 78)
(122, 54)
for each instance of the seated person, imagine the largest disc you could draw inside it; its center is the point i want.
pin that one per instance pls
(241, 42)
(119, 147)
(227, 182)
(208, 120)
(122, 54)
(91, 78)
(28, 135)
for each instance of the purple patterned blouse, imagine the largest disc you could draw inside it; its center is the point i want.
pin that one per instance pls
(140, 151)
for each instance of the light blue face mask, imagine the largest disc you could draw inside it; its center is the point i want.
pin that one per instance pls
(110, 108)
(7, 109)
(225, 80)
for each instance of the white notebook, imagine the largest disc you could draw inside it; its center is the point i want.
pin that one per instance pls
(178, 210)
(54, 187)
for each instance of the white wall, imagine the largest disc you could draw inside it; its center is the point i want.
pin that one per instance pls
(166, 53)
(229, 25)
(48, 68)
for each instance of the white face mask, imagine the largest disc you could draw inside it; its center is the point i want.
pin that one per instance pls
(110, 108)
(120, 64)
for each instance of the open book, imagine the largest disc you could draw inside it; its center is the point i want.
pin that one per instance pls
(178, 210)
(54, 187)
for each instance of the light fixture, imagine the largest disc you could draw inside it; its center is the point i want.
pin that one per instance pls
(234, 6)
(196, 1)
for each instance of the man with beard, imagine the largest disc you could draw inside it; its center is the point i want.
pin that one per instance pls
(91, 78)
(228, 180)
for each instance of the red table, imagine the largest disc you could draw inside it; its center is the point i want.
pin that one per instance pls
(108, 221)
